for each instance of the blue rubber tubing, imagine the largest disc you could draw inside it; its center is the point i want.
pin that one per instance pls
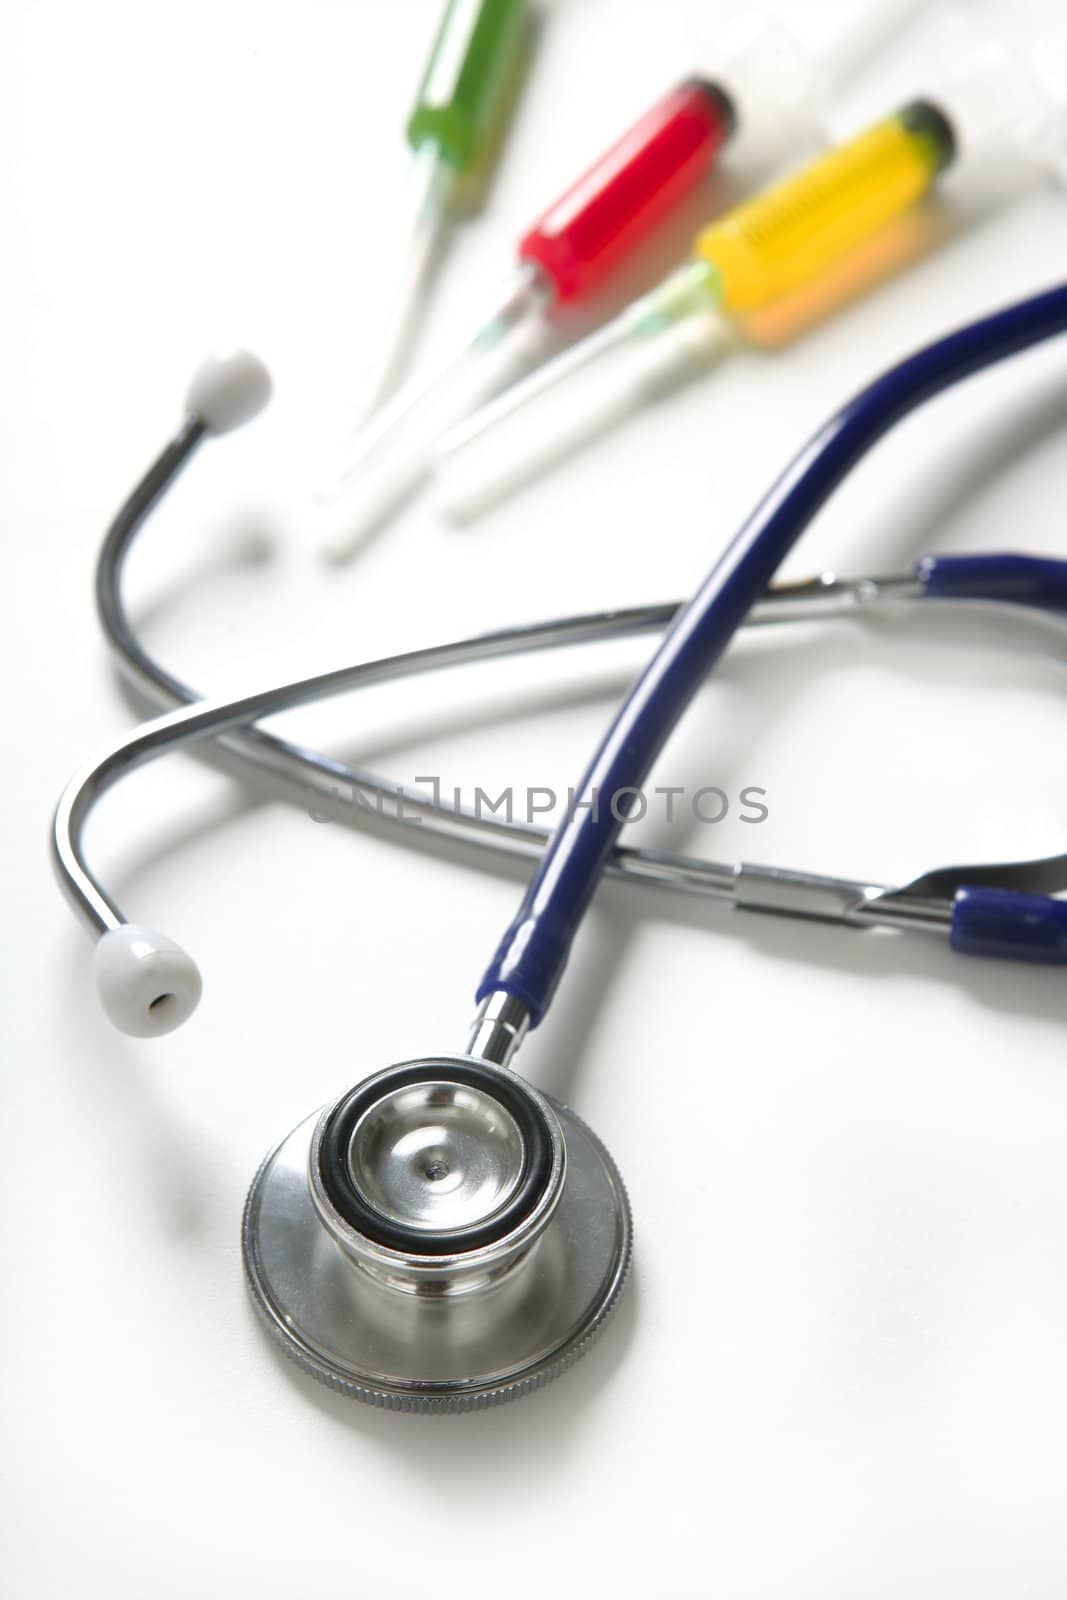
(533, 952)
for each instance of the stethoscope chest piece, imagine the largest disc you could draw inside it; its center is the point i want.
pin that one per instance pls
(442, 1238)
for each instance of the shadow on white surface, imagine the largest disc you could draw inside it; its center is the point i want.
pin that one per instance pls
(533, 1432)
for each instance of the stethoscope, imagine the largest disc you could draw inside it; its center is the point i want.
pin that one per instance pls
(444, 1236)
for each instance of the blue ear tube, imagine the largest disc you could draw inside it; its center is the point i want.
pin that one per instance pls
(534, 950)
(1038, 581)
(1010, 926)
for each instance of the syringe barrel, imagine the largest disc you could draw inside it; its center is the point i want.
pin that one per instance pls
(632, 187)
(785, 237)
(468, 78)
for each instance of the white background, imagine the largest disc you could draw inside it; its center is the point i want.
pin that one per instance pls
(841, 1369)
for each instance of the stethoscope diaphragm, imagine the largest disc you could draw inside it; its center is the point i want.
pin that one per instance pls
(443, 1238)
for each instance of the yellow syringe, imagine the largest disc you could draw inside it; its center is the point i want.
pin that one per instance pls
(784, 237)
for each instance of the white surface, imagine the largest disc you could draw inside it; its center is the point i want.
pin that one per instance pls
(841, 1370)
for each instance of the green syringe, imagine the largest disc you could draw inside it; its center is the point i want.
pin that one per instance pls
(462, 101)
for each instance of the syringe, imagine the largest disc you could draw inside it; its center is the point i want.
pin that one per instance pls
(466, 88)
(767, 80)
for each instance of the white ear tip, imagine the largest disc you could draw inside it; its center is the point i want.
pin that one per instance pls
(146, 983)
(229, 388)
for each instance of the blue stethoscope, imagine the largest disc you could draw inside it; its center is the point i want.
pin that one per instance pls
(444, 1236)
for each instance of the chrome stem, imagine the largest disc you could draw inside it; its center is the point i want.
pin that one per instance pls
(499, 1028)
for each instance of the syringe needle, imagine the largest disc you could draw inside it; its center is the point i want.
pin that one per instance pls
(466, 90)
(434, 184)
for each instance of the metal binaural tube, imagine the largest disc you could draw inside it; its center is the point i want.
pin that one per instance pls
(324, 778)
(500, 1025)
